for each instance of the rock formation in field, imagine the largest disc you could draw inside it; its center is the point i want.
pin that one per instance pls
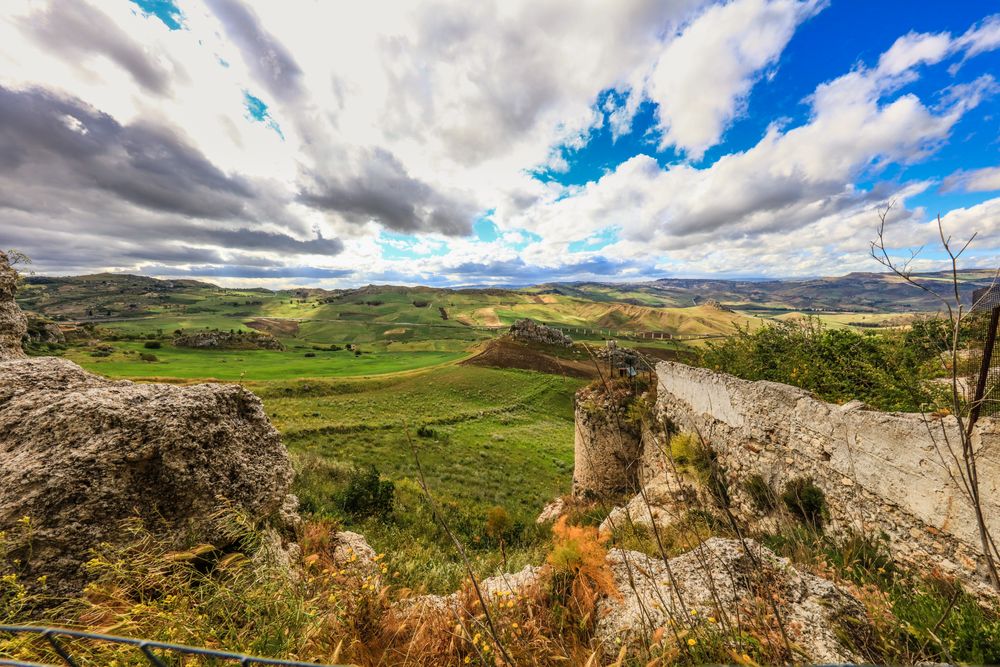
(79, 454)
(229, 340)
(43, 330)
(530, 331)
(13, 324)
(728, 582)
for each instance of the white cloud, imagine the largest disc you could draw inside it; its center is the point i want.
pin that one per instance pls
(977, 180)
(419, 116)
(790, 196)
(702, 78)
(914, 49)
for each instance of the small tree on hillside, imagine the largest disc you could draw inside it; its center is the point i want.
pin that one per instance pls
(960, 458)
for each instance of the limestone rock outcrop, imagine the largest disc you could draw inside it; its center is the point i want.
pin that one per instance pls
(43, 330)
(13, 323)
(79, 454)
(663, 501)
(719, 579)
(229, 340)
(530, 331)
(551, 512)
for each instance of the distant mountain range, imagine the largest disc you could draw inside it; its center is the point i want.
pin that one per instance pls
(118, 294)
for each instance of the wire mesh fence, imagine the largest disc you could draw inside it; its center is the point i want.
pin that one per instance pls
(66, 649)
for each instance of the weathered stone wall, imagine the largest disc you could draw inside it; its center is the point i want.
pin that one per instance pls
(881, 472)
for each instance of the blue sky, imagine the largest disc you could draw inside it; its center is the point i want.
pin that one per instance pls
(501, 142)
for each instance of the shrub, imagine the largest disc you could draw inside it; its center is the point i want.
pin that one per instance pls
(424, 431)
(499, 525)
(805, 501)
(310, 354)
(421, 304)
(580, 572)
(887, 370)
(146, 356)
(152, 345)
(761, 495)
(367, 494)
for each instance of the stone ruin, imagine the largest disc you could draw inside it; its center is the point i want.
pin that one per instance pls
(530, 331)
(881, 473)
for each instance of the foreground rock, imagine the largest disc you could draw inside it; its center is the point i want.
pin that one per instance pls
(80, 455)
(720, 580)
(530, 331)
(551, 512)
(13, 324)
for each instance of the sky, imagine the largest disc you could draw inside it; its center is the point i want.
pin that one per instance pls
(335, 144)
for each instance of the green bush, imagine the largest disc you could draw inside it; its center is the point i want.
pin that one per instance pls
(152, 345)
(367, 494)
(424, 431)
(887, 370)
(805, 501)
(499, 525)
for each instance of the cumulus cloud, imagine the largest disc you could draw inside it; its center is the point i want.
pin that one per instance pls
(268, 58)
(380, 189)
(784, 186)
(977, 180)
(702, 78)
(79, 33)
(127, 145)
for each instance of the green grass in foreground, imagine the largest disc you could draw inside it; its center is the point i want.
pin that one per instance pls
(497, 438)
(252, 365)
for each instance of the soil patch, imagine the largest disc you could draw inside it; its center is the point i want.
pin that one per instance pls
(274, 326)
(506, 353)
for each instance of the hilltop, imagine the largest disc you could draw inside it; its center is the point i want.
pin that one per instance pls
(854, 292)
(676, 305)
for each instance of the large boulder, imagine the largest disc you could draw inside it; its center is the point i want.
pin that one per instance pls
(530, 331)
(79, 454)
(214, 339)
(13, 324)
(729, 582)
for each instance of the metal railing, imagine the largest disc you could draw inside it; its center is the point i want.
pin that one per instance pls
(148, 649)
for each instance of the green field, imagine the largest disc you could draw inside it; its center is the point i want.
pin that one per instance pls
(490, 438)
(252, 365)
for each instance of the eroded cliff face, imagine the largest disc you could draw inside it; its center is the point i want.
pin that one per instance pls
(80, 455)
(13, 323)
